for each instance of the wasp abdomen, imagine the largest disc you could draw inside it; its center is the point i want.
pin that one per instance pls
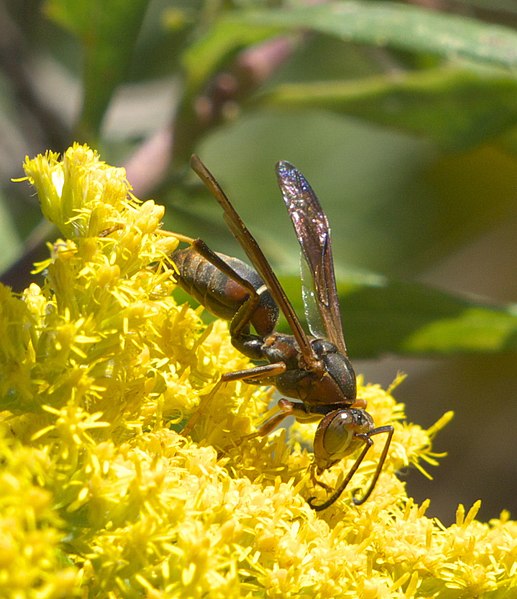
(222, 295)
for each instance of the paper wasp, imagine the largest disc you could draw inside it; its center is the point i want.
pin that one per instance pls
(312, 369)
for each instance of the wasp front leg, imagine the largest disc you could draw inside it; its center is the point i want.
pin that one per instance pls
(275, 416)
(314, 471)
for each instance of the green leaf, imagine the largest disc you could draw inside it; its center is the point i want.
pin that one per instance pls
(216, 46)
(397, 26)
(456, 108)
(382, 316)
(10, 244)
(108, 30)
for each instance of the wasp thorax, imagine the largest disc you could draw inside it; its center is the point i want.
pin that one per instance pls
(338, 367)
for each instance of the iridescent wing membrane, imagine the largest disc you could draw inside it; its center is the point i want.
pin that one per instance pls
(313, 233)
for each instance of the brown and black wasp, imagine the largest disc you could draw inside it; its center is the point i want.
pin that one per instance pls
(313, 370)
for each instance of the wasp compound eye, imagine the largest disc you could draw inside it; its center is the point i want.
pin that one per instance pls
(339, 434)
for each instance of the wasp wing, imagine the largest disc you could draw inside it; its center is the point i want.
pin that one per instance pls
(257, 257)
(310, 302)
(313, 233)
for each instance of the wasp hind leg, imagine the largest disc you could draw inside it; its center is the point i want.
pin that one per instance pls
(251, 375)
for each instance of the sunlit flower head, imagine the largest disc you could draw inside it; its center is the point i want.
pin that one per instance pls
(127, 471)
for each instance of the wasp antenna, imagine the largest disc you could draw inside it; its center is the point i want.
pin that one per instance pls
(381, 429)
(368, 443)
(337, 493)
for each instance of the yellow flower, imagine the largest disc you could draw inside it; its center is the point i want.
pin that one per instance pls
(103, 496)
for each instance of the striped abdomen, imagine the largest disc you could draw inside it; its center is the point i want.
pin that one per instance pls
(220, 294)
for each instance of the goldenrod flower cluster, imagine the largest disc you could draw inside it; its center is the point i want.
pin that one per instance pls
(103, 496)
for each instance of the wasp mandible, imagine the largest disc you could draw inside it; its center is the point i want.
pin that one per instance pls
(313, 370)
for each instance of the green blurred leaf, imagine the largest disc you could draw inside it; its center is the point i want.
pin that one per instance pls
(9, 237)
(382, 316)
(397, 26)
(219, 43)
(456, 108)
(108, 30)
